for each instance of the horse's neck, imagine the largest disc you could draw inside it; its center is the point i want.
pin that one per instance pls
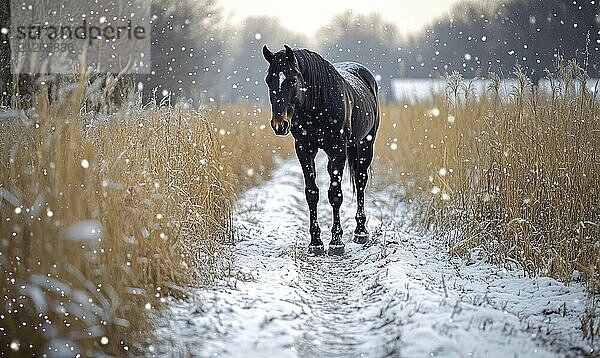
(306, 113)
(329, 110)
(321, 105)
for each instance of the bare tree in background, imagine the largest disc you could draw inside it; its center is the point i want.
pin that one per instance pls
(186, 47)
(244, 65)
(367, 39)
(5, 72)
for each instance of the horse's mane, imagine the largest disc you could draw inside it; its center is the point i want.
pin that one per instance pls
(320, 77)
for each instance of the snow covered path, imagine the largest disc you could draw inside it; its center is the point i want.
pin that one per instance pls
(399, 295)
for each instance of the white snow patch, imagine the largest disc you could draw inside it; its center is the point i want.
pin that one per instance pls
(84, 231)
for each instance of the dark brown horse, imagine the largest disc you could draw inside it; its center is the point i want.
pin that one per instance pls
(326, 106)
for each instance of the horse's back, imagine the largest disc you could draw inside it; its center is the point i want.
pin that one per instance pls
(359, 71)
(361, 88)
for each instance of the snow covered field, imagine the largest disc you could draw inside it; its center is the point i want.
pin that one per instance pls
(399, 295)
(413, 90)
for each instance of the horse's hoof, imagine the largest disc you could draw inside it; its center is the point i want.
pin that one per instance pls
(361, 238)
(335, 250)
(316, 250)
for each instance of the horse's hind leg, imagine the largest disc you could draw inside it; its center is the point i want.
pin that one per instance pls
(365, 156)
(335, 168)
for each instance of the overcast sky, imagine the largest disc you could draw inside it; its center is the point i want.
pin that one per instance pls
(306, 16)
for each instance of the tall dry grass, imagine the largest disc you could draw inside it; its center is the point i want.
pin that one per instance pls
(248, 145)
(102, 216)
(518, 178)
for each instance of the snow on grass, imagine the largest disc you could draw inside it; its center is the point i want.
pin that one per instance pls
(400, 294)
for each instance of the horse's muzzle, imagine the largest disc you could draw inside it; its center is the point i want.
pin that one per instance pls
(281, 126)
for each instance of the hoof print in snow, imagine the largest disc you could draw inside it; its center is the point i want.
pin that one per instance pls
(316, 250)
(335, 250)
(361, 238)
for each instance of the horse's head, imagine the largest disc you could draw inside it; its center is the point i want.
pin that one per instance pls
(286, 90)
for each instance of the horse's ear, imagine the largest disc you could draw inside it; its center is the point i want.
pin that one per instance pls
(289, 54)
(268, 54)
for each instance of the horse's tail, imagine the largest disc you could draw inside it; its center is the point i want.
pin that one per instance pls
(372, 85)
(352, 159)
(353, 149)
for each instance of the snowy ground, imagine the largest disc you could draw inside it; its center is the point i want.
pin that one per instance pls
(400, 295)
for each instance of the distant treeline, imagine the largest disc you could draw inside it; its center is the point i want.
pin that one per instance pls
(474, 38)
(187, 43)
(198, 55)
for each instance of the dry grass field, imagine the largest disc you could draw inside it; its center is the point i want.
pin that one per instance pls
(103, 215)
(519, 179)
(247, 143)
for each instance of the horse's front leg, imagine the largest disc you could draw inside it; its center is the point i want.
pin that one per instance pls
(306, 156)
(335, 168)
